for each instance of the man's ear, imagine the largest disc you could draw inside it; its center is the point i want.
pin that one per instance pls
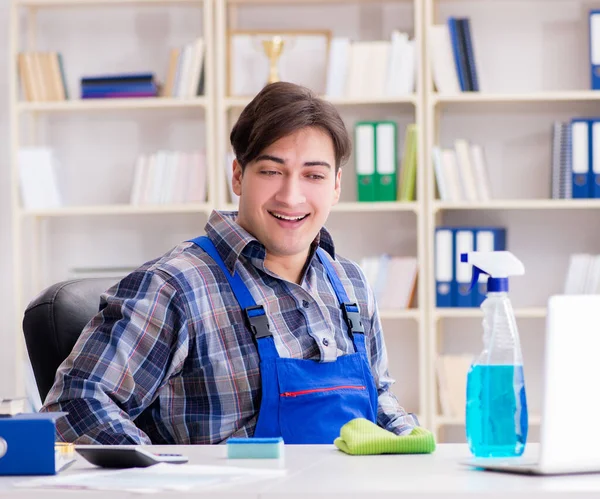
(236, 180)
(338, 186)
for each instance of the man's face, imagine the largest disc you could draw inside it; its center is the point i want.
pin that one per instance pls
(287, 192)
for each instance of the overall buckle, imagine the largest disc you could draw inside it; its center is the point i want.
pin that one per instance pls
(352, 318)
(258, 323)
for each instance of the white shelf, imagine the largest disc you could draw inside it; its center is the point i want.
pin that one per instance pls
(356, 207)
(542, 97)
(84, 3)
(284, 2)
(466, 313)
(411, 313)
(534, 420)
(118, 209)
(240, 102)
(521, 204)
(76, 105)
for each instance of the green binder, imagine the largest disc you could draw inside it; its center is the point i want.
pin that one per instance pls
(364, 160)
(386, 161)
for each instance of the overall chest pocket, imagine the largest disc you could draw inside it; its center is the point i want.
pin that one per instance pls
(316, 399)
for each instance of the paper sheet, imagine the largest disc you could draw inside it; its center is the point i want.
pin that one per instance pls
(157, 478)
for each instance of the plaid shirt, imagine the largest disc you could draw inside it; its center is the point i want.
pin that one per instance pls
(169, 360)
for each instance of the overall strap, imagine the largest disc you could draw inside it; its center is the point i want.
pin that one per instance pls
(350, 311)
(254, 314)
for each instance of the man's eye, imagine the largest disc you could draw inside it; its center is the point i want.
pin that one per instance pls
(317, 177)
(268, 173)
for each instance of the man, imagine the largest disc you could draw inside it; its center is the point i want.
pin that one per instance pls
(258, 329)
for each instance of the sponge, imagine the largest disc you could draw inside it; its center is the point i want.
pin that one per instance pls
(255, 448)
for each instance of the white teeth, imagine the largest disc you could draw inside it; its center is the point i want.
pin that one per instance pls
(283, 217)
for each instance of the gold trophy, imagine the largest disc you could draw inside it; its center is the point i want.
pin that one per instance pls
(273, 48)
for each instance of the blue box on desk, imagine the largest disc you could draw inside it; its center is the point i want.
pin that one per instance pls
(27, 444)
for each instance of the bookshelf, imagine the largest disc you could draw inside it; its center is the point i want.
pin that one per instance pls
(37, 231)
(404, 329)
(525, 86)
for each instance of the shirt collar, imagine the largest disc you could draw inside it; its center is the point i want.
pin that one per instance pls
(232, 241)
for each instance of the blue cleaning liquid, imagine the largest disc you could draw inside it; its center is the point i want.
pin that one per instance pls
(496, 415)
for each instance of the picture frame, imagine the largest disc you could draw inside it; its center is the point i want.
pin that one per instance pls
(303, 60)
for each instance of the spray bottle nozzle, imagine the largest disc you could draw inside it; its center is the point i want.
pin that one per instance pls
(497, 265)
(464, 257)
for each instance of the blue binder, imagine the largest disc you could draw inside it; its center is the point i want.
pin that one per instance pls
(581, 158)
(27, 444)
(594, 36)
(594, 170)
(460, 57)
(487, 239)
(444, 265)
(464, 242)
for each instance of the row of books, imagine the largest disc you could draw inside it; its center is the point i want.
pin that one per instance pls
(376, 162)
(453, 58)
(185, 74)
(583, 275)
(42, 76)
(576, 159)
(393, 280)
(169, 177)
(370, 69)
(461, 173)
(453, 277)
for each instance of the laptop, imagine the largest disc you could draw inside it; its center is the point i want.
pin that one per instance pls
(570, 426)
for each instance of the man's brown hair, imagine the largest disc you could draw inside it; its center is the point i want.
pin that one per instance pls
(281, 109)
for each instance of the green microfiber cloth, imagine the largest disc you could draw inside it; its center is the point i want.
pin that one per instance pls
(361, 437)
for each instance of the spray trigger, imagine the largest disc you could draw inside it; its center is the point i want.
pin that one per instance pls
(476, 270)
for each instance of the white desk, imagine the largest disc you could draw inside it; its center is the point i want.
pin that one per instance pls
(323, 471)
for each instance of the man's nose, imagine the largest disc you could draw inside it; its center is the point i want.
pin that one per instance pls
(290, 192)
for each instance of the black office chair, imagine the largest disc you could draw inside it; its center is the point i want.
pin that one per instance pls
(54, 320)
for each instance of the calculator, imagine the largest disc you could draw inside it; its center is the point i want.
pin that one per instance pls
(125, 456)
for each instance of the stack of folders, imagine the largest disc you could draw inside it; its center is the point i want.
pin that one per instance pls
(583, 275)
(124, 85)
(453, 277)
(169, 177)
(453, 58)
(371, 69)
(376, 161)
(576, 159)
(461, 173)
(392, 279)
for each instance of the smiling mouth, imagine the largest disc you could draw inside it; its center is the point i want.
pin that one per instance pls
(286, 218)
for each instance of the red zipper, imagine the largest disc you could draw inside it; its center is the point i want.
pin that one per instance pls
(317, 390)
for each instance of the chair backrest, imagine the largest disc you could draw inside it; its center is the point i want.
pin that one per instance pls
(54, 320)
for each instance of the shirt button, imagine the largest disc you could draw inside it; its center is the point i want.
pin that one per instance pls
(325, 342)
(305, 304)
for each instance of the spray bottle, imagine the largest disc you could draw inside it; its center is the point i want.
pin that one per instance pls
(496, 412)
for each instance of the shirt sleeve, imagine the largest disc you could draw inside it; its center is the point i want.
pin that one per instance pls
(390, 415)
(136, 342)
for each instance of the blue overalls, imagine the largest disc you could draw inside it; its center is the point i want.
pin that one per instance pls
(305, 401)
